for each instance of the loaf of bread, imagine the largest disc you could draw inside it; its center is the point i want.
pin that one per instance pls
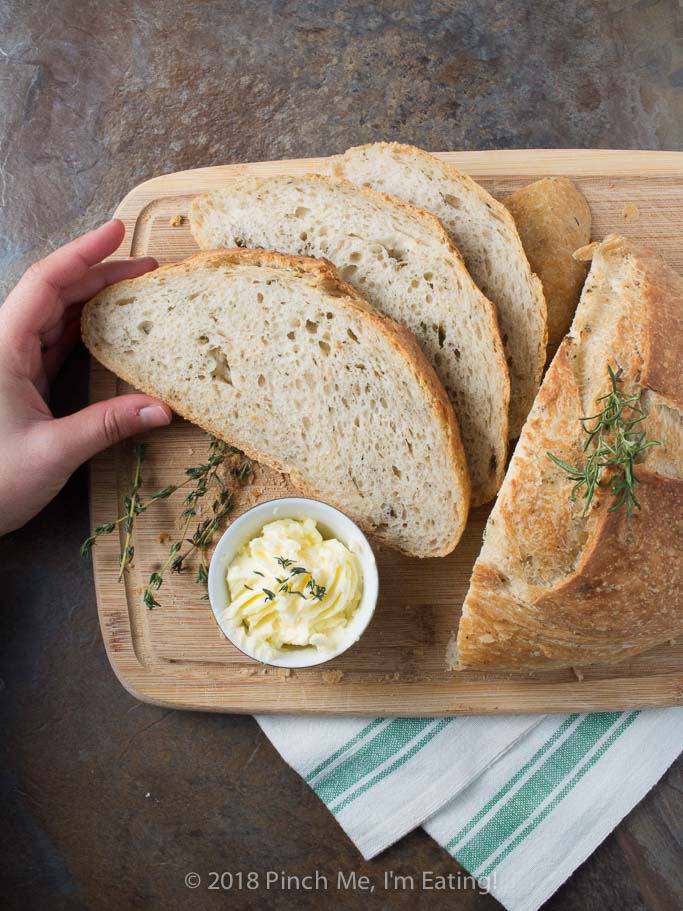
(552, 587)
(554, 220)
(277, 355)
(484, 233)
(402, 261)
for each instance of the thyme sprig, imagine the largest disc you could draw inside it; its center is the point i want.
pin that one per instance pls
(616, 444)
(285, 585)
(203, 477)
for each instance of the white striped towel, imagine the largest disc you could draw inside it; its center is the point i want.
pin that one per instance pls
(519, 801)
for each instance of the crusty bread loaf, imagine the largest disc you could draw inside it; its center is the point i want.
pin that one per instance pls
(402, 261)
(554, 220)
(278, 356)
(552, 588)
(484, 233)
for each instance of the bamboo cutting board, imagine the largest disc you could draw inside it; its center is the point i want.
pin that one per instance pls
(176, 655)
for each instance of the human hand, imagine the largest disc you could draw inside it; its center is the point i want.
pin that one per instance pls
(39, 325)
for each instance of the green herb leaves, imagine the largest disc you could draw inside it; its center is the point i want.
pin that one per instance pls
(205, 478)
(614, 445)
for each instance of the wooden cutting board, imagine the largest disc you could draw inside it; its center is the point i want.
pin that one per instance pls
(176, 655)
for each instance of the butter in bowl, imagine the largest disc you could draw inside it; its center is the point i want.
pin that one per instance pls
(293, 582)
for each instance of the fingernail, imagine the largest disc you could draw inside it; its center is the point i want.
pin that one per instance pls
(154, 416)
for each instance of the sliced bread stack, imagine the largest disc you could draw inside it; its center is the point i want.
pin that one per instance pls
(279, 356)
(485, 234)
(403, 262)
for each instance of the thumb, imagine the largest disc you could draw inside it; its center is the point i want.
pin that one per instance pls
(80, 436)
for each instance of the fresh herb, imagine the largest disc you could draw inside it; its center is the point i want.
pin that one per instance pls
(204, 477)
(285, 586)
(616, 446)
(317, 591)
(270, 596)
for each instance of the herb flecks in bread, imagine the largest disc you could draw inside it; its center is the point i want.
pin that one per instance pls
(235, 340)
(402, 261)
(553, 587)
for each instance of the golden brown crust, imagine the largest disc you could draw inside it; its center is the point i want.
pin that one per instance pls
(605, 586)
(325, 276)
(553, 220)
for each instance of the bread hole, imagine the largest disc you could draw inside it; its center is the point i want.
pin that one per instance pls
(191, 297)
(344, 402)
(306, 421)
(128, 351)
(395, 254)
(291, 335)
(329, 315)
(383, 402)
(348, 272)
(203, 339)
(451, 200)
(124, 301)
(222, 369)
(261, 380)
(300, 211)
(438, 358)
(397, 471)
(456, 352)
(410, 446)
(303, 236)
(356, 421)
(414, 283)
(311, 326)
(146, 326)
(324, 347)
(352, 335)
(354, 257)
(442, 335)
(259, 298)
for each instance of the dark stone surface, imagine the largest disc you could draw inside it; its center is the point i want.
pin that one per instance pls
(99, 96)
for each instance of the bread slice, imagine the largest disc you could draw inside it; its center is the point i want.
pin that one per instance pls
(401, 260)
(552, 588)
(277, 355)
(554, 220)
(484, 233)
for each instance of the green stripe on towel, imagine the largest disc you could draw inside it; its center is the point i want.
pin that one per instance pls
(559, 766)
(395, 765)
(380, 749)
(559, 797)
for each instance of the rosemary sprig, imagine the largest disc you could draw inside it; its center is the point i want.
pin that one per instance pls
(615, 447)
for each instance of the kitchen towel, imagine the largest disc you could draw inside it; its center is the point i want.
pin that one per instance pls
(519, 801)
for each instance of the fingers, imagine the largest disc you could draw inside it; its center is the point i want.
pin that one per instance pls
(80, 436)
(104, 274)
(36, 301)
(58, 350)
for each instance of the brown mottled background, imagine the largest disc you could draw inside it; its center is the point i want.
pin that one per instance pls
(96, 97)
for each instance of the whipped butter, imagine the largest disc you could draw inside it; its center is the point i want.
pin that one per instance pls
(291, 588)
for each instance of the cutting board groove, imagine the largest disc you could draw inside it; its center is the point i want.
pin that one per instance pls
(176, 655)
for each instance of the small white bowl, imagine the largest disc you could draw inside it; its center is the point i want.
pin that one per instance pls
(332, 524)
